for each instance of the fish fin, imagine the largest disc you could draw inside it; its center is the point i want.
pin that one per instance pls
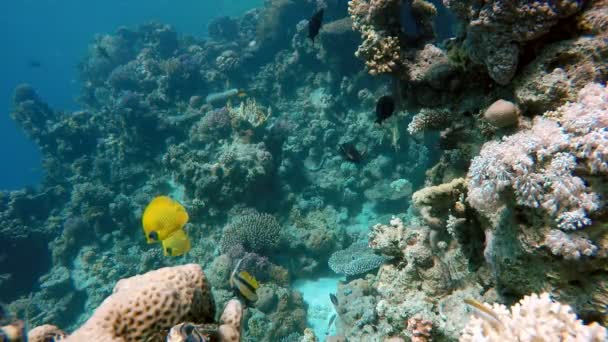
(485, 312)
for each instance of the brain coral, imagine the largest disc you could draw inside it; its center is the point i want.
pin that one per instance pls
(147, 304)
(356, 259)
(259, 233)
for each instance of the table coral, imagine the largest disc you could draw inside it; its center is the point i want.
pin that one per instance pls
(356, 259)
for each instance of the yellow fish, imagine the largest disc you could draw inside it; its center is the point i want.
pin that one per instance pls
(162, 217)
(244, 283)
(176, 244)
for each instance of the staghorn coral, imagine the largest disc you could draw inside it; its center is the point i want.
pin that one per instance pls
(534, 318)
(356, 259)
(255, 232)
(497, 29)
(538, 164)
(144, 305)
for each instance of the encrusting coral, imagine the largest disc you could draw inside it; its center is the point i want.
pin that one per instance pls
(534, 318)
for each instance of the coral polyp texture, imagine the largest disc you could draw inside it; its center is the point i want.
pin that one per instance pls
(481, 176)
(538, 165)
(145, 305)
(534, 318)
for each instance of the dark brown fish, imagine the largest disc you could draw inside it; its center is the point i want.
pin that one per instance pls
(350, 153)
(314, 24)
(385, 107)
(334, 299)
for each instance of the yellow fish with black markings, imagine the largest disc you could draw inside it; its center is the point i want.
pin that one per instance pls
(163, 221)
(162, 217)
(176, 244)
(244, 283)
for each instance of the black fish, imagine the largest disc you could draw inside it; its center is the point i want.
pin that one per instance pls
(101, 51)
(314, 25)
(333, 299)
(350, 152)
(384, 108)
(34, 64)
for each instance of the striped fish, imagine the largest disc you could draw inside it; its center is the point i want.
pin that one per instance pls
(244, 283)
(485, 313)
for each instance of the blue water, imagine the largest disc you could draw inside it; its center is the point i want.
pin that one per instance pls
(55, 33)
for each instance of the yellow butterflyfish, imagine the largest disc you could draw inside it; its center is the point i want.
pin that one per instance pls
(176, 244)
(162, 217)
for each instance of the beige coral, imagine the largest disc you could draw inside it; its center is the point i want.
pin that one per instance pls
(145, 305)
(45, 332)
(436, 202)
(230, 328)
(534, 318)
(419, 329)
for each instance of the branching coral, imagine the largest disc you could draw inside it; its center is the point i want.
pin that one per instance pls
(429, 118)
(249, 111)
(534, 318)
(539, 164)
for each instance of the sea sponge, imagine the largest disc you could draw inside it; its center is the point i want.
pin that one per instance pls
(230, 329)
(534, 318)
(45, 332)
(145, 305)
(502, 113)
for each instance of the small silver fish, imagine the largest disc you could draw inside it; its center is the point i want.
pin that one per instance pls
(331, 321)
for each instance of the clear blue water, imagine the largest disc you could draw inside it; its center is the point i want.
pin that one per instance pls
(55, 33)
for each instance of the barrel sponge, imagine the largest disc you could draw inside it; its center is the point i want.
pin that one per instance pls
(148, 304)
(230, 328)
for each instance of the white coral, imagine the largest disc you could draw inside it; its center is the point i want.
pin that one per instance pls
(534, 318)
(570, 246)
(538, 164)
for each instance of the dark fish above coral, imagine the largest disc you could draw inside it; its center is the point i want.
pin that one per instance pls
(314, 24)
(349, 152)
(102, 52)
(34, 64)
(385, 107)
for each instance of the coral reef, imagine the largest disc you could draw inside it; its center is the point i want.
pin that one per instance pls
(496, 30)
(534, 317)
(487, 183)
